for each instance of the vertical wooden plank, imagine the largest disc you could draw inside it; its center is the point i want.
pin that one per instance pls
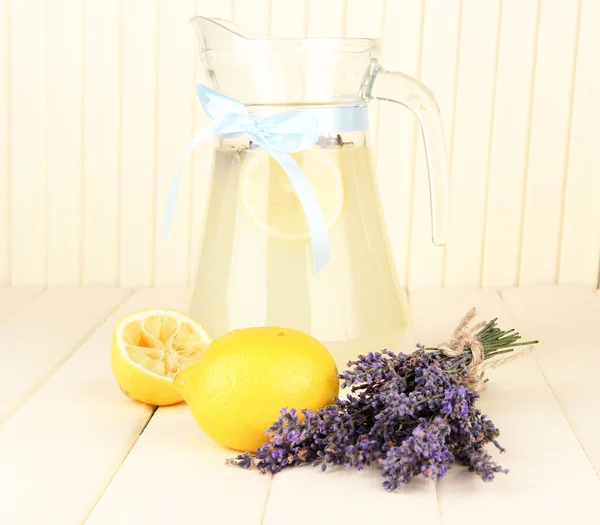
(441, 34)
(202, 159)
(580, 241)
(548, 142)
(223, 10)
(401, 48)
(138, 142)
(326, 19)
(288, 19)
(175, 119)
(101, 141)
(64, 140)
(364, 19)
(252, 15)
(28, 143)
(472, 126)
(516, 66)
(5, 110)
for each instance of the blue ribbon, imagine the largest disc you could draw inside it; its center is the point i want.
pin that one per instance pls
(279, 135)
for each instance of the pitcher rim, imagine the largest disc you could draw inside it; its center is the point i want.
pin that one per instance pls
(365, 43)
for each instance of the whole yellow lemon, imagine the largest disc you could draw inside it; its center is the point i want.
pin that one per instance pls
(244, 378)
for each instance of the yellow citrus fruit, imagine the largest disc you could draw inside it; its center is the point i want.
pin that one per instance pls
(150, 348)
(271, 200)
(244, 378)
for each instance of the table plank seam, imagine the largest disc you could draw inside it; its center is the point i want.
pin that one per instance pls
(438, 502)
(264, 511)
(20, 307)
(118, 467)
(68, 356)
(556, 398)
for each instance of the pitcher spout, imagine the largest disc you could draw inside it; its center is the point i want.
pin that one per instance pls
(215, 33)
(258, 70)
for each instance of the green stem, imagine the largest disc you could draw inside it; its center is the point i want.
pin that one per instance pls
(487, 327)
(499, 352)
(525, 343)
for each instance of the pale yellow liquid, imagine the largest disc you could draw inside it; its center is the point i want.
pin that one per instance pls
(248, 277)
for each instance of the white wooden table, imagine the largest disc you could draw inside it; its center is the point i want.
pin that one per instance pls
(73, 449)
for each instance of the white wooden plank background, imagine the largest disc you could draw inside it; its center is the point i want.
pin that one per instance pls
(175, 122)
(64, 96)
(28, 200)
(44, 333)
(5, 135)
(97, 105)
(78, 426)
(326, 19)
(254, 15)
(11, 299)
(566, 321)
(509, 143)
(139, 136)
(580, 232)
(549, 140)
(102, 74)
(287, 19)
(191, 477)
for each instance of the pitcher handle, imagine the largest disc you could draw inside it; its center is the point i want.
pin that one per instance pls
(400, 88)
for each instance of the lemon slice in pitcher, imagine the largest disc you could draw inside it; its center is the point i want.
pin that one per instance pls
(150, 348)
(271, 201)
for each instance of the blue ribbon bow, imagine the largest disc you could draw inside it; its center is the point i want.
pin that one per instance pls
(279, 135)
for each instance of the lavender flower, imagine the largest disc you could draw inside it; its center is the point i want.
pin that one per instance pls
(331, 142)
(482, 463)
(424, 452)
(409, 414)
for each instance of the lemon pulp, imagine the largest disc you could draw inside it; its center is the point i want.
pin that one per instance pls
(271, 201)
(150, 348)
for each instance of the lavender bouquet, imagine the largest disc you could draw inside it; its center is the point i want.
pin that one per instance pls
(411, 414)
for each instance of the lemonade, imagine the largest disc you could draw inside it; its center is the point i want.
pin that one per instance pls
(255, 263)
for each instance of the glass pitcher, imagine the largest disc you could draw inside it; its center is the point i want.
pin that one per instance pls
(255, 265)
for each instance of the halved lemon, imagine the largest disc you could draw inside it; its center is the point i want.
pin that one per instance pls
(150, 348)
(271, 201)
